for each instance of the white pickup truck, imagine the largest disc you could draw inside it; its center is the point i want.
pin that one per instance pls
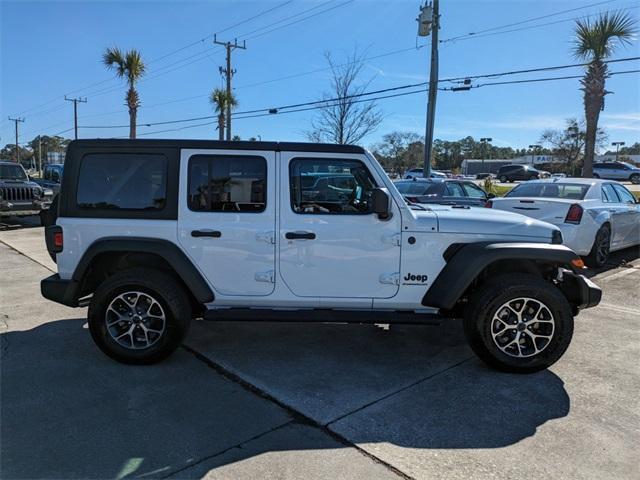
(153, 233)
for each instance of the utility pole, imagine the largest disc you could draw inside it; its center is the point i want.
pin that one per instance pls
(429, 19)
(16, 121)
(75, 111)
(228, 72)
(617, 145)
(40, 156)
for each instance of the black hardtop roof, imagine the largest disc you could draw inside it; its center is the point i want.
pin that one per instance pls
(218, 144)
(9, 162)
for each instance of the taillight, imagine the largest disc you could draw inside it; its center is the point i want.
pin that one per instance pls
(489, 204)
(574, 215)
(54, 239)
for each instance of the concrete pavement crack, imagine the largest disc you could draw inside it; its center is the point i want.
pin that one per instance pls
(225, 450)
(25, 255)
(296, 415)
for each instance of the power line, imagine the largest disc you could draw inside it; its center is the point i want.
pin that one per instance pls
(519, 29)
(451, 39)
(382, 97)
(108, 90)
(363, 94)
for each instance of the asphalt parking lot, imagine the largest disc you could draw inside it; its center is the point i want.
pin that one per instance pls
(255, 400)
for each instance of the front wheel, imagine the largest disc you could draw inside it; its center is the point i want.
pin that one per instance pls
(635, 178)
(518, 323)
(503, 179)
(139, 316)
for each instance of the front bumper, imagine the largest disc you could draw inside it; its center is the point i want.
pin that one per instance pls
(580, 291)
(10, 208)
(59, 290)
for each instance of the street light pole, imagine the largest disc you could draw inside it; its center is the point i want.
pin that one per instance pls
(617, 145)
(428, 22)
(484, 142)
(533, 149)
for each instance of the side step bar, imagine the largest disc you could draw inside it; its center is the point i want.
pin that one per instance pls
(322, 315)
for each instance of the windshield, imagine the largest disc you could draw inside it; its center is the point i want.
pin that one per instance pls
(550, 190)
(12, 172)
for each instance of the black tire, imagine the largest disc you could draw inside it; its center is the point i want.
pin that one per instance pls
(595, 175)
(485, 303)
(503, 179)
(599, 253)
(172, 302)
(635, 178)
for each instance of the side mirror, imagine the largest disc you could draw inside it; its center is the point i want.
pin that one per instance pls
(380, 202)
(491, 195)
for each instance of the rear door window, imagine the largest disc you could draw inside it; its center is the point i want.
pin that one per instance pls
(233, 183)
(624, 194)
(473, 190)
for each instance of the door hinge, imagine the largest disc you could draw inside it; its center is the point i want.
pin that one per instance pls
(390, 278)
(394, 239)
(269, 237)
(267, 277)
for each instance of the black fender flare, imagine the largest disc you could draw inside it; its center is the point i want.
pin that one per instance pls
(466, 262)
(170, 252)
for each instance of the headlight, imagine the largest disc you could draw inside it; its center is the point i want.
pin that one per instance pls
(37, 192)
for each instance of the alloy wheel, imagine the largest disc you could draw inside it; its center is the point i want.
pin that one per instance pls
(522, 327)
(135, 320)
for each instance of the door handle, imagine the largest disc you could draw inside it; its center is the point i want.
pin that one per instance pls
(206, 233)
(300, 236)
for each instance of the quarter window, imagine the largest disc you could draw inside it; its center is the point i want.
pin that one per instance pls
(122, 182)
(219, 183)
(330, 186)
(609, 194)
(474, 191)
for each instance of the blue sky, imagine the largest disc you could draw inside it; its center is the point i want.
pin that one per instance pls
(53, 48)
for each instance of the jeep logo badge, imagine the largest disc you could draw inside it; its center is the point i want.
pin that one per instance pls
(413, 279)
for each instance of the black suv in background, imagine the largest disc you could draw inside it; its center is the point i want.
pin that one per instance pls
(509, 173)
(19, 195)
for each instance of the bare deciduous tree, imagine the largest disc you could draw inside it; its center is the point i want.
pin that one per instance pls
(346, 117)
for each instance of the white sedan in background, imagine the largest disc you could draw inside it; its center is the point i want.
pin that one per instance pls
(595, 216)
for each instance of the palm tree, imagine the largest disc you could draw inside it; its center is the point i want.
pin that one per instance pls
(127, 65)
(221, 101)
(594, 42)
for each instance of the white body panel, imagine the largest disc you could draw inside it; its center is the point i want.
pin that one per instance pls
(241, 261)
(80, 233)
(623, 218)
(350, 254)
(355, 261)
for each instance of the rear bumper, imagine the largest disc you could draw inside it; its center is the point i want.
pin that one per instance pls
(61, 291)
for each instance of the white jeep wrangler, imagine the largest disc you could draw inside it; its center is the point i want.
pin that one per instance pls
(153, 233)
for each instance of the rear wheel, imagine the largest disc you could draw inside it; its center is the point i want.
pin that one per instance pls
(139, 316)
(595, 175)
(518, 323)
(599, 253)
